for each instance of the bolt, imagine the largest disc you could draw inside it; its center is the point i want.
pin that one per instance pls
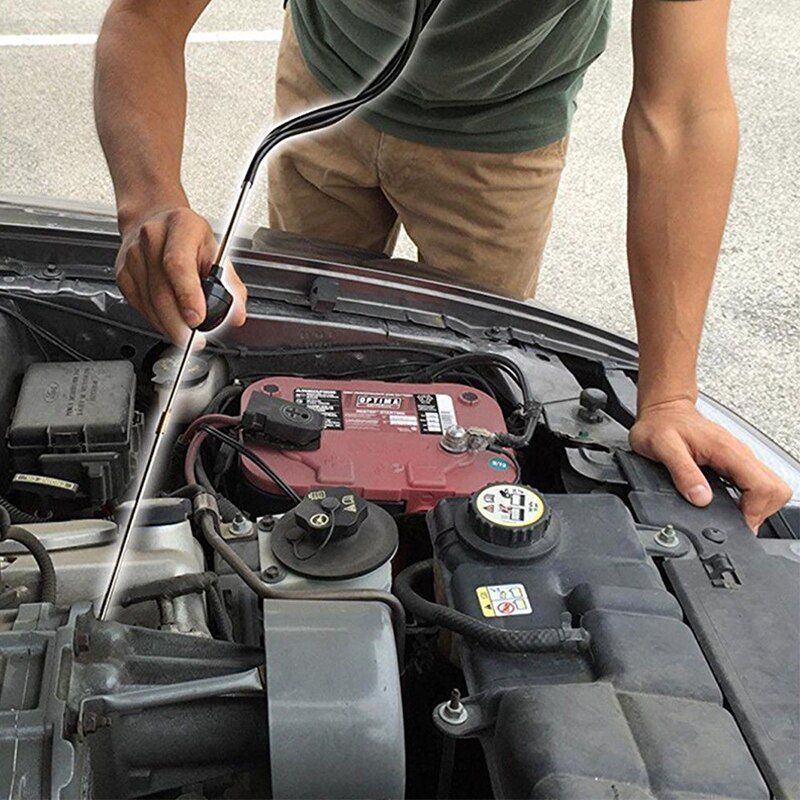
(266, 524)
(273, 574)
(453, 712)
(93, 721)
(667, 537)
(495, 332)
(240, 526)
(468, 398)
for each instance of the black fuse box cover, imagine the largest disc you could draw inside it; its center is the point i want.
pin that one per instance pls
(80, 405)
(76, 421)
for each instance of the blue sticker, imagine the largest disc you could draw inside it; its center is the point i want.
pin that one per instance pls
(498, 464)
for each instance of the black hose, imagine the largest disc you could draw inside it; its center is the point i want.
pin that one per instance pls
(47, 571)
(17, 515)
(223, 626)
(227, 508)
(207, 518)
(538, 640)
(222, 398)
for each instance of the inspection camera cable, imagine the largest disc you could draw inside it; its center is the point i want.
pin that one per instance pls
(218, 299)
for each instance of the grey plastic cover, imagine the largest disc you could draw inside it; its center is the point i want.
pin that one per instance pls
(333, 699)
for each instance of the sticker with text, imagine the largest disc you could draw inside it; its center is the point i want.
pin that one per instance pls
(503, 600)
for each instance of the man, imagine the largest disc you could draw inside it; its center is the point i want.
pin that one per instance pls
(466, 151)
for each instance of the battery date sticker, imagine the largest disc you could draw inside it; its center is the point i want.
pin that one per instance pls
(436, 412)
(503, 600)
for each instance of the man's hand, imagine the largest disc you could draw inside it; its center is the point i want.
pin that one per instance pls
(159, 267)
(140, 108)
(677, 435)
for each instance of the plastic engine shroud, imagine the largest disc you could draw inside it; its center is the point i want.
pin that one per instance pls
(383, 440)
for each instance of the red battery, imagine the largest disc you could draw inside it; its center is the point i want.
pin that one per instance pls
(383, 440)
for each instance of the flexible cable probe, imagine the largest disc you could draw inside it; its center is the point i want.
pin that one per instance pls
(218, 299)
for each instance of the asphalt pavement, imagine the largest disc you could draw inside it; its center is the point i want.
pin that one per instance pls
(750, 358)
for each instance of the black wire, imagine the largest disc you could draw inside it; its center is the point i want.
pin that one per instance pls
(152, 334)
(529, 409)
(511, 457)
(255, 458)
(317, 550)
(43, 333)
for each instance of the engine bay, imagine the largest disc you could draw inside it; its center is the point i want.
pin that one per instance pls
(412, 568)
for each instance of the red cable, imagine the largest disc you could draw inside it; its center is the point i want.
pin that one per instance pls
(197, 439)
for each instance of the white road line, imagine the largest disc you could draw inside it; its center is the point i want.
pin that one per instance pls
(71, 39)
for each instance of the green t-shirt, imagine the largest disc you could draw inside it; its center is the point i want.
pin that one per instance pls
(487, 75)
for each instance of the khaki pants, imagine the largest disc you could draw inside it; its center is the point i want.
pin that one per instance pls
(482, 219)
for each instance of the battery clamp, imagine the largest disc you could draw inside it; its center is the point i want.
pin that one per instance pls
(281, 423)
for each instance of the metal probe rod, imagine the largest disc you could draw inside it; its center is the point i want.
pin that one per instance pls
(233, 224)
(314, 121)
(163, 420)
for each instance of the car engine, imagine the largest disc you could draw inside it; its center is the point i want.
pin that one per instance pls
(373, 573)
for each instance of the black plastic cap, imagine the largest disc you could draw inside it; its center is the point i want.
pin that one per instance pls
(338, 506)
(592, 403)
(282, 423)
(219, 300)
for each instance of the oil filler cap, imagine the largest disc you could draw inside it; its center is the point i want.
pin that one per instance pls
(509, 515)
(332, 513)
(334, 534)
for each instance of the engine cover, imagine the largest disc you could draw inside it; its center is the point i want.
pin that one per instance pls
(383, 440)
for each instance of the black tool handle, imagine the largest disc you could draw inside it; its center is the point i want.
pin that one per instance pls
(218, 300)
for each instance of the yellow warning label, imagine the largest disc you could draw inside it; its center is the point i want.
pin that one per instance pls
(503, 600)
(485, 601)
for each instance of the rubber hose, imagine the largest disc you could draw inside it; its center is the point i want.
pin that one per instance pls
(47, 571)
(207, 522)
(219, 614)
(538, 640)
(228, 510)
(18, 516)
(221, 398)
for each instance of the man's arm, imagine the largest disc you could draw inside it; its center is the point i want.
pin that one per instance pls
(140, 110)
(681, 139)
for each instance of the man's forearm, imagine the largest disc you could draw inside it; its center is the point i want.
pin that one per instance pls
(140, 108)
(680, 173)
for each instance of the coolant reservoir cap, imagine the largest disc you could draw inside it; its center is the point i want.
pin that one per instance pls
(509, 515)
(164, 369)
